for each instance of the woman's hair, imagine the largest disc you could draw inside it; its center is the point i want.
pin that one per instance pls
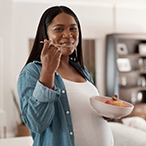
(41, 34)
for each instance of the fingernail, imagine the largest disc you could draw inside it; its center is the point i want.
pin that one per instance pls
(45, 40)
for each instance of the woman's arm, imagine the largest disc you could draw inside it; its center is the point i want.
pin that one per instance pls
(36, 100)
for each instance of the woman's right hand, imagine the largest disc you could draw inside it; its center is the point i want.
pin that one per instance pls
(50, 57)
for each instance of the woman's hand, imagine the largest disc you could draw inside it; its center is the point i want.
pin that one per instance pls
(114, 97)
(50, 57)
(107, 119)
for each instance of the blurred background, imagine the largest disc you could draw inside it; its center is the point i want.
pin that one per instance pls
(124, 20)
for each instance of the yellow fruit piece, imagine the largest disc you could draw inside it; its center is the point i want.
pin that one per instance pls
(118, 103)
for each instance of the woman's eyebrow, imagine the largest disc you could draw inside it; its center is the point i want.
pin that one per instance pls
(73, 25)
(64, 25)
(58, 25)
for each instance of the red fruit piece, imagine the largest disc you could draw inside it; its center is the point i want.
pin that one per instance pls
(108, 102)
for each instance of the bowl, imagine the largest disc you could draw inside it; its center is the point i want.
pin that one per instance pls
(108, 110)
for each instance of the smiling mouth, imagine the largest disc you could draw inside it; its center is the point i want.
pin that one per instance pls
(67, 44)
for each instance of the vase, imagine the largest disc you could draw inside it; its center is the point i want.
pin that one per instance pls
(22, 130)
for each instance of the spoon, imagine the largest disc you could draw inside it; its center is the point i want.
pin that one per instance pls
(59, 45)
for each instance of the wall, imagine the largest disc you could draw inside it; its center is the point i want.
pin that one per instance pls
(134, 15)
(19, 22)
(6, 66)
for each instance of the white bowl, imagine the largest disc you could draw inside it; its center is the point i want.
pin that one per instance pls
(110, 111)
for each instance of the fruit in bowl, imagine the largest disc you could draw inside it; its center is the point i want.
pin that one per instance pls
(111, 107)
(116, 103)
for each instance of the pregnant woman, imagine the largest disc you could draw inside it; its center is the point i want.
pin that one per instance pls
(55, 87)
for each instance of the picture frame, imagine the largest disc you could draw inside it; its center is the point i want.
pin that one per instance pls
(142, 48)
(122, 49)
(123, 64)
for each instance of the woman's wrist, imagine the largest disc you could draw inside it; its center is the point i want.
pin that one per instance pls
(47, 79)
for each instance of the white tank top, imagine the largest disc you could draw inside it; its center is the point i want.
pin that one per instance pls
(90, 129)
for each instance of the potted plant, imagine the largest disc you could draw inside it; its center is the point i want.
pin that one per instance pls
(22, 129)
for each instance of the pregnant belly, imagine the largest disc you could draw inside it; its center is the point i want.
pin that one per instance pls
(93, 131)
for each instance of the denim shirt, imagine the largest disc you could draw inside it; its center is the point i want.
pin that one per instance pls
(45, 111)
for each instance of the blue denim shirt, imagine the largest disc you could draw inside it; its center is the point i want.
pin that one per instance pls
(46, 112)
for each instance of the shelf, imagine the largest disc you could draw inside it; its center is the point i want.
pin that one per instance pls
(142, 72)
(133, 88)
(133, 71)
(115, 44)
(132, 54)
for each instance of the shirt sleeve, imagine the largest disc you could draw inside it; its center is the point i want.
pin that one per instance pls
(36, 101)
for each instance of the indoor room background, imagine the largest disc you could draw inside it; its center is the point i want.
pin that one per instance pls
(18, 24)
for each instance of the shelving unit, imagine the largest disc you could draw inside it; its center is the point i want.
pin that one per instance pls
(130, 84)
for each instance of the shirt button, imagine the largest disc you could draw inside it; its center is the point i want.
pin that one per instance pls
(71, 133)
(67, 112)
(63, 91)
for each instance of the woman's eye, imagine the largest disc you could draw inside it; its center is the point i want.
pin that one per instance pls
(73, 28)
(58, 29)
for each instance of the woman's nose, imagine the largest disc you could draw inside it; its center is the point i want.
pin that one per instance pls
(67, 34)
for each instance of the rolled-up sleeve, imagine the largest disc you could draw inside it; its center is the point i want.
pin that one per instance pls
(36, 100)
(43, 93)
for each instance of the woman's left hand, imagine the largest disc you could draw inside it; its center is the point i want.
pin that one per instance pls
(107, 119)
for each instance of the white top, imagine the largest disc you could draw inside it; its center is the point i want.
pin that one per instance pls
(90, 129)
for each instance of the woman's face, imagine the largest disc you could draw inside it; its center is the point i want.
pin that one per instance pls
(64, 31)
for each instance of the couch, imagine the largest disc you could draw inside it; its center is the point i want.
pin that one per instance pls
(125, 135)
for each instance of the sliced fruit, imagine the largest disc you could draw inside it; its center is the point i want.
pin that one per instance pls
(108, 102)
(116, 103)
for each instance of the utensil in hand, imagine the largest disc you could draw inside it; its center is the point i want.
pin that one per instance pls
(59, 45)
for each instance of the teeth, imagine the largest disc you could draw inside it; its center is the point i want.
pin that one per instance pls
(66, 43)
